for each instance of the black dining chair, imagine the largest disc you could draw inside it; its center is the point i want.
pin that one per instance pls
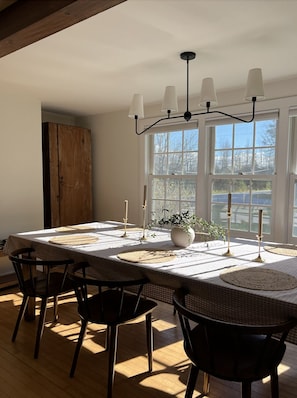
(42, 279)
(110, 303)
(230, 351)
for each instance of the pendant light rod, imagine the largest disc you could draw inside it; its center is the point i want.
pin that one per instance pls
(187, 56)
(254, 91)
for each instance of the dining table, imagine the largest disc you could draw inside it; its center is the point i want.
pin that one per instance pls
(241, 280)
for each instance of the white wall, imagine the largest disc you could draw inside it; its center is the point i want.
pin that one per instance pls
(21, 192)
(115, 166)
(58, 118)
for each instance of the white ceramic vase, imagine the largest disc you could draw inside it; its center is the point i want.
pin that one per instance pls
(181, 237)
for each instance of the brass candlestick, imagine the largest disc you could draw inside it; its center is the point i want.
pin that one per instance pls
(228, 252)
(260, 236)
(144, 219)
(125, 220)
(259, 258)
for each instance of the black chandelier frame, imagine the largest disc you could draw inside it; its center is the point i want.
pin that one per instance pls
(188, 56)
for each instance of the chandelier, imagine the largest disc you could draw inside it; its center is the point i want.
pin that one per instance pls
(254, 91)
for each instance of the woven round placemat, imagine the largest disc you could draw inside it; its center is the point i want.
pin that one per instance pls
(74, 240)
(285, 250)
(258, 278)
(72, 228)
(147, 256)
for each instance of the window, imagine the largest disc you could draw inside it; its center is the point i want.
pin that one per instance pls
(244, 164)
(256, 162)
(293, 178)
(174, 168)
(294, 228)
(245, 148)
(248, 197)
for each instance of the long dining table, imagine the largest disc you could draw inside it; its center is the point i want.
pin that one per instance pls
(224, 280)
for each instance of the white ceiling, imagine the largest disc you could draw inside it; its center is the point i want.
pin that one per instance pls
(96, 65)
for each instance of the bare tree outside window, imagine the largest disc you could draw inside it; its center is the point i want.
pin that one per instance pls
(242, 151)
(174, 174)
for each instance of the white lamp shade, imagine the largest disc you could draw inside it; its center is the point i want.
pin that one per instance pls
(169, 100)
(136, 107)
(208, 93)
(254, 87)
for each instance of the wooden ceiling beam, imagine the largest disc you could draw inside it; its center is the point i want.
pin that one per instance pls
(26, 21)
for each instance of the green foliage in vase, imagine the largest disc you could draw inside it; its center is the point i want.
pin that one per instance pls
(185, 220)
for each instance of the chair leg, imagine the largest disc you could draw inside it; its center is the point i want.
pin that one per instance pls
(274, 384)
(107, 338)
(20, 316)
(191, 381)
(206, 384)
(78, 346)
(246, 389)
(40, 326)
(112, 358)
(149, 341)
(55, 308)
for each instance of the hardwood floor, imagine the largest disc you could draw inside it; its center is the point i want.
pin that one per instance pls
(21, 376)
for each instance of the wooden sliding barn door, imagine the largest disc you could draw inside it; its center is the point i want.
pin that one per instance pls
(67, 175)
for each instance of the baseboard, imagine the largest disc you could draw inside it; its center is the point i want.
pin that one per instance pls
(7, 281)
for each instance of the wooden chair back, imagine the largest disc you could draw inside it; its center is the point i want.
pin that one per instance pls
(230, 350)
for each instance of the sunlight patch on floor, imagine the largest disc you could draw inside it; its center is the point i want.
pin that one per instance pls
(163, 326)
(171, 383)
(10, 297)
(283, 368)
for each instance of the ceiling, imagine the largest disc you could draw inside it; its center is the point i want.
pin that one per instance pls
(94, 66)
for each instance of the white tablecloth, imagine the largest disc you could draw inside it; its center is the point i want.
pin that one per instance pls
(197, 267)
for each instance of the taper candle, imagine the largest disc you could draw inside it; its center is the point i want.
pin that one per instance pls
(144, 196)
(260, 223)
(229, 202)
(126, 209)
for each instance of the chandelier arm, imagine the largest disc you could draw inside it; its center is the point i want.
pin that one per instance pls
(207, 112)
(153, 124)
(232, 116)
